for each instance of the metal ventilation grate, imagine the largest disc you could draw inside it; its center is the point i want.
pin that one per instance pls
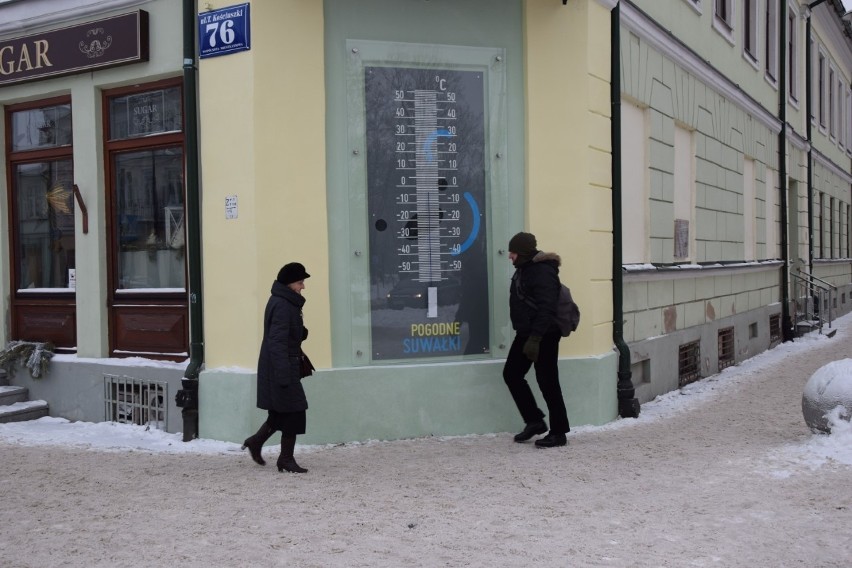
(688, 363)
(726, 347)
(774, 330)
(135, 401)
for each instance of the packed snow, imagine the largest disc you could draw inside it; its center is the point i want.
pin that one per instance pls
(723, 472)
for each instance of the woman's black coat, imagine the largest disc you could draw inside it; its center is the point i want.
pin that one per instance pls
(279, 387)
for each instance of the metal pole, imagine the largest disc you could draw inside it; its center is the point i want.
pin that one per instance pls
(628, 404)
(809, 129)
(786, 321)
(187, 397)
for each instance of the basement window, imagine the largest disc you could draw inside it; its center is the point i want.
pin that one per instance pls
(688, 363)
(774, 330)
(726, 347)
(135, 401)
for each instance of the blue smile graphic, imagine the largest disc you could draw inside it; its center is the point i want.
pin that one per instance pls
(473, 232)
(432, 141)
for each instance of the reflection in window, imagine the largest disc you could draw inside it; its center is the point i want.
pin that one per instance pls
(45, 224)
(750, 28)
(47, 127)
(724, 12)
(150, 224)
(792, 51)
(771, 39)
(821, 89)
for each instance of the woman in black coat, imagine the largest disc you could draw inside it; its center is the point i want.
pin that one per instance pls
(279, 387)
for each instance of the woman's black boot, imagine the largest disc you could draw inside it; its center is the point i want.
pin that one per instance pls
(286, 461)
(255, 443)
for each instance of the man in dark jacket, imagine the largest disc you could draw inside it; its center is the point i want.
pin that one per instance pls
(533, 296)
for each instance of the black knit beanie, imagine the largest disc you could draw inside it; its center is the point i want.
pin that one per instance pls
(524, 245)
(292, 272)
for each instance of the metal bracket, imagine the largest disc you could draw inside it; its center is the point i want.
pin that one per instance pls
(79, 197)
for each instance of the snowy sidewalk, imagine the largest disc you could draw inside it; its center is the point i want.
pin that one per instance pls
(724, 473)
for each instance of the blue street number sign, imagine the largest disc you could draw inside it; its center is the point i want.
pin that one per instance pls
(224, 31)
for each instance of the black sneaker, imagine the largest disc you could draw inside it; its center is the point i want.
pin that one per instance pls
(551, 441)
(530, 430)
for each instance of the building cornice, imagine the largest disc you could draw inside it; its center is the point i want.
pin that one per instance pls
(834, 168)
(20, 18)
(831, 26)
(640, 24)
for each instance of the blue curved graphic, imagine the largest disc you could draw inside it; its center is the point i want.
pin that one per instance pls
(432, 141)
(475, 231)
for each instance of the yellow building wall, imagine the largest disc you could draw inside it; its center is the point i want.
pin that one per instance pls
(267, 147)
(569, 181)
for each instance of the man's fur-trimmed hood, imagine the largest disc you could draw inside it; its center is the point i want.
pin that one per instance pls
(542, 256)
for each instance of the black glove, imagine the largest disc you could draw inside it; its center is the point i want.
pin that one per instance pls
(531, 347)
(304, 333)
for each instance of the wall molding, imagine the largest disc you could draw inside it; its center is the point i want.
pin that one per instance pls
(647, 29)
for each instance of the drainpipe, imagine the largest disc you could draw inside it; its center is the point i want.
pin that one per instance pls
(786, 322)
(808, 114)
(628, 404)
(187, 397)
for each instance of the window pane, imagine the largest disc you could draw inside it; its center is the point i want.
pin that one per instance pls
(45, 224)
(48, 127)
(149, 186)
(143, 114)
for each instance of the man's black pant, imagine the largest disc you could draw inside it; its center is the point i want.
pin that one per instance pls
(546, 374)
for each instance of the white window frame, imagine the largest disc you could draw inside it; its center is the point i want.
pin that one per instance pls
(832, 103)
(820, 224)
(695, 5)
(770, 43)
(814, 75)
(838, 104)
(831, 222)
(848, 123)
(724, 25)
(772, 212)
(635, 184)
(749, 217)
(842, 113)
(751, 27)
(792, 47)
(848, 231)
(683, 206)
(820, 98)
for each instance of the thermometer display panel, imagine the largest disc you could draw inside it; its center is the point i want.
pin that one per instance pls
(426, 191)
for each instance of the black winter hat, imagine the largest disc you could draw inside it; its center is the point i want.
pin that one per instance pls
(292, 272)
(523, 244)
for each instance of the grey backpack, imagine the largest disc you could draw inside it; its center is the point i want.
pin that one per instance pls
(567, 311)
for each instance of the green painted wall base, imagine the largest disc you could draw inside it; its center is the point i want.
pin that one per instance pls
(396, 402)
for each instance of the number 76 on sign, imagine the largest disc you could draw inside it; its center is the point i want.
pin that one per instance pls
(224, 31)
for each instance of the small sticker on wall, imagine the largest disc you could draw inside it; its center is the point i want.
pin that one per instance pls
(231, 211)
(72, 278)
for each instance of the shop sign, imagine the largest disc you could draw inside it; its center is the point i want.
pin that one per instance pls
(110, 42)
(224, 31)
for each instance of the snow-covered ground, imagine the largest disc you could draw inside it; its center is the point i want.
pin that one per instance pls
(722, 473)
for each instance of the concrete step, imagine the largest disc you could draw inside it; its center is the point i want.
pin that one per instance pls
(11, 395)
(22, 411)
